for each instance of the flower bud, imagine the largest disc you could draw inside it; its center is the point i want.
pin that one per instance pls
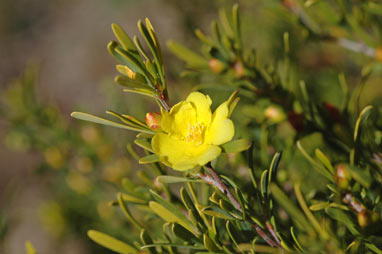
(274, 114)
(123, 69)
(364, 218)
(333, 112)
(239, 69)
(378, 54)
(153, 120)
(296, 120)
(216, 65)
(342, 177)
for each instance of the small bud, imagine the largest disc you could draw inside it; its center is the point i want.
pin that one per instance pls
(296, 120)
(364, 218)
(239, 69)
(342, 177)
(216, 65)
(274, 114)
(333, 111)
(378, 54)
(123, 69)
(153, 120)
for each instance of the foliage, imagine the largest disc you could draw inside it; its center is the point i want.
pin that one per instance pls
(304, 172)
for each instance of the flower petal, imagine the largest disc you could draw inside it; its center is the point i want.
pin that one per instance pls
(180, 117)
(221, 129)
(202, 104)
(181, 155)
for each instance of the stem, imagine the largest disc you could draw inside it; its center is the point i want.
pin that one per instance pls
(273, 233)
(350, 200)
(354, 46)
(214, 179)
(163, 103)
(222, 187)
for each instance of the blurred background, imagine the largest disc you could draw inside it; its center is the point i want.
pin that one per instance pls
(54, 61)
(57, 174)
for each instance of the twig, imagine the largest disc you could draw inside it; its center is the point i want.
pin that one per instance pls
(350, 200)
(273, 233)
(354, 46)
(214, 179)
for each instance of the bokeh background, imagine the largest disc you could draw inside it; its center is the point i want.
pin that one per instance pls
(57, 174)
(63, 45)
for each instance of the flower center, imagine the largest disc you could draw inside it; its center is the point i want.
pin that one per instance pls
(195, 133)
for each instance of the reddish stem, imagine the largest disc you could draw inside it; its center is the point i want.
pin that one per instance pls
(214, 179)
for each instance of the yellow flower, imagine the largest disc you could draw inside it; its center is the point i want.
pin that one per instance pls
(190, 134)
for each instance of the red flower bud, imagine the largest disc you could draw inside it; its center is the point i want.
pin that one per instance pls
(364, 218)
(378, 54)
(296, 120)
(216, 65)
(239, 69)
(342, 177)
(153, 120)
(333, 111)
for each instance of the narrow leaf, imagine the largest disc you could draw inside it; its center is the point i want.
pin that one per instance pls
(149, 159)
(192, 59)
(111, 243)
(144, 144)
(124, 39)
(175, 179)
(361, 118)
(324, 160)
(236, 146)
(96, 119)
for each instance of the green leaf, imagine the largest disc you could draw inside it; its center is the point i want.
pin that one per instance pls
(146, 240)
(264, 184)
(167, 205)
(196, 247)
(317, 166)
(192, 59)
(149, 159)
(111, 243)
(182, 233)
(144, 144)
(232, 234)
(295, 213)
(361, 118)
(133, 199)
(209, 244)
(319, 206)
(324, 160)
(295, 239)
(342, 217)
(236, 25)
(218, 212)
(186, 199)
(236, 146)
(124, 40)
(114, 49)
(129, 120)
(134, 64)
(131, 83)
(99, 120)
(153, 46)
(141, 49)
(170, 216)
(274, 166)
(175, 179)
(140, 91)
(150, 28)
(126, 211)
(374, 248)
(359, 175)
